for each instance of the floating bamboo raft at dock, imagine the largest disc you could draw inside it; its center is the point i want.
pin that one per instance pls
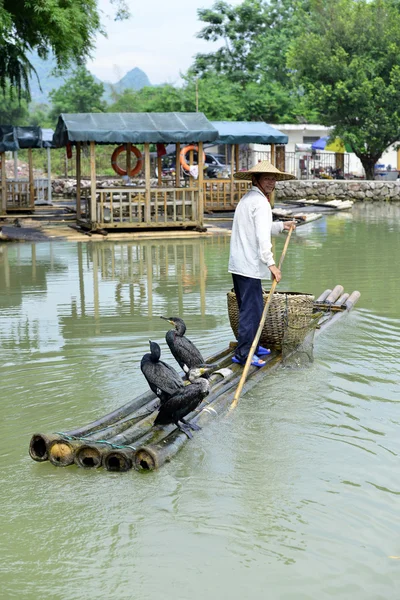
(127, 437)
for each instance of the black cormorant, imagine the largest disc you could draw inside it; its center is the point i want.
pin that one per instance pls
(163, 380)
(183, 350)
(175, 409)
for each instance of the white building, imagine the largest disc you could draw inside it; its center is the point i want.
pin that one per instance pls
(299, 134)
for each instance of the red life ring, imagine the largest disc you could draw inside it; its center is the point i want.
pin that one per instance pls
(184, 151)
(117, 168)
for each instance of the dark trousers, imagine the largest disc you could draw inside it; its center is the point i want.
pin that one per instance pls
(250, 301)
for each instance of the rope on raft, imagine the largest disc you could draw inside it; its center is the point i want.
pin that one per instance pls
(73, 438)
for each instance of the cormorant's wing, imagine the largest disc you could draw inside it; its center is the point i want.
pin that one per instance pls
(181, 404)
(184, 351)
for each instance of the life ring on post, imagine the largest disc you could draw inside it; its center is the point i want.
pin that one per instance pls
(137, 168)
(182, 157)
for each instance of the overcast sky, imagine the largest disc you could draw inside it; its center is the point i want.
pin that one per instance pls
(159, 38)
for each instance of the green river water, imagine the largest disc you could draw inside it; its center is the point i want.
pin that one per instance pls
(295, 496)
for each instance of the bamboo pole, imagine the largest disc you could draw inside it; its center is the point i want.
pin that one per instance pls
(93, 216)
(31, 181)
(78, 180)
(147, 182)
(3, 183)
(334, 295)
(323, 296)
(260, 327)
(237, 157)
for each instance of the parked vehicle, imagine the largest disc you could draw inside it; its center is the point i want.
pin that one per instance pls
(214, 163)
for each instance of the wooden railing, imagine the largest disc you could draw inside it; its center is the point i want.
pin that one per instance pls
(121, 207)
(223, 194)
(18, 195)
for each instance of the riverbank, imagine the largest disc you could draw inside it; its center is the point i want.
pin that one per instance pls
(336, 189)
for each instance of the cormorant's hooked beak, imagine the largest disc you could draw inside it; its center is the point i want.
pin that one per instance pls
(169, 321)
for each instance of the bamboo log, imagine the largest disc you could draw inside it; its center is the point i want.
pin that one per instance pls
(352, 300)
(350, 303)
(335, 293)
(39, 445)
(61, 451)
(153, 455)
(341, 300)
(323, 296)
(122, 458)
(91, 454)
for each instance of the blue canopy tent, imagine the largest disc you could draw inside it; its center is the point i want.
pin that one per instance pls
(233, 134)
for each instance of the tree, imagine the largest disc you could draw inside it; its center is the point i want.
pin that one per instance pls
(67, 28)
(348, 60)
(255, 37)
(79, 94)
(13, 110)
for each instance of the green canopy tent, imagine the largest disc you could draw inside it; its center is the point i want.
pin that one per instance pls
(142, 203)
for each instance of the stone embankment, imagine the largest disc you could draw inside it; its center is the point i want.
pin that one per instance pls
(311, 189)
(336, 189)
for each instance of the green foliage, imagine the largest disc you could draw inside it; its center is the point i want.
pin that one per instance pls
(13, 110)
(39, 116)
(348, 60)
(79, 94)
(65, 27)
(255, 38)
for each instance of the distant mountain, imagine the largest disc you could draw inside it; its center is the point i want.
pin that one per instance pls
(135, 79)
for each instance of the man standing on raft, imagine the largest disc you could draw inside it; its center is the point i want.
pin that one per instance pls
(251, 258)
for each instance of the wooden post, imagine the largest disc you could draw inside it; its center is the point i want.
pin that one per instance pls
(178, 165)
(78, 180)
(49, 189)
(398, 159)
(147, 182)
(273, 161)
(159, 169)
(31, 182)
(200, 163)
(237, 157)
(128, 159)
(93, 215)
(15, 156)
(233, 148)
(273, 155)
(3, 183)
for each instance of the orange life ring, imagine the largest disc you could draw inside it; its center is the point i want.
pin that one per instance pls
(184, 151)
(117, 168)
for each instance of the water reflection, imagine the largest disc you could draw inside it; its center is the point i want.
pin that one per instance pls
(298, 485)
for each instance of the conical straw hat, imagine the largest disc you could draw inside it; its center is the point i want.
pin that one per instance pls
(264, 167)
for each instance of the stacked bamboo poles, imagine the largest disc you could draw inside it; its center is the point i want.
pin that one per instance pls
(126, 438)
(120, 427)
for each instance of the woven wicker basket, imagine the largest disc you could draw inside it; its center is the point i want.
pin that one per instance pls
(286, 307)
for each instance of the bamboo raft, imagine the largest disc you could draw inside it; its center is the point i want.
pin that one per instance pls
(126, 438)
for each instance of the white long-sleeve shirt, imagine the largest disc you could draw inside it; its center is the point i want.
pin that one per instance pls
(250, 251)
